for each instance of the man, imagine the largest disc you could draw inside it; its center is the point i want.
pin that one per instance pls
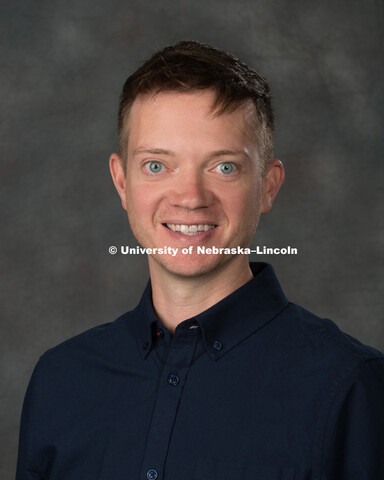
(214, 375)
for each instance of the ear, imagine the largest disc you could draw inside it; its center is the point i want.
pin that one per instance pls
(272, 181)
(118, 177)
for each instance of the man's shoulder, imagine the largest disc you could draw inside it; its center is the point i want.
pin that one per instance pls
(80, 369)
(111, 339)
(322, 338)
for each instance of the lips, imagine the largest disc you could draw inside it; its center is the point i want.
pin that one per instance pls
(190, 230)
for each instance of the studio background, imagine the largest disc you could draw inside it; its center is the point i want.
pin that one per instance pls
(63, 65)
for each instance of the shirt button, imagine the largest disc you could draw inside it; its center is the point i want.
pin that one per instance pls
(160, 333)
(145, 345)
(173, 379)
(152, 474)
(217, 345)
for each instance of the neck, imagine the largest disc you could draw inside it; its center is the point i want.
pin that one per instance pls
(177, 298)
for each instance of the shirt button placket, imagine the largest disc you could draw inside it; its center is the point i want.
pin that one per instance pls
(167, 399)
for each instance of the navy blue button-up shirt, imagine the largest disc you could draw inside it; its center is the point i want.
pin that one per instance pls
(252, 388)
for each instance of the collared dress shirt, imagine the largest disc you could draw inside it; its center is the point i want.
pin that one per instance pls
(255, 387)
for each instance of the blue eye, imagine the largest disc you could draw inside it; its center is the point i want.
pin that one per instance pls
(226, 168)
(154, 167)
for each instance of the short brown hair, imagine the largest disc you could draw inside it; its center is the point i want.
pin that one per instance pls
(190, 65)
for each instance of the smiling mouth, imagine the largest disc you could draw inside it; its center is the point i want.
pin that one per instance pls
(190, 230)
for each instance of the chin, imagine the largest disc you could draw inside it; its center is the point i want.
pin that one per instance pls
(193, 266)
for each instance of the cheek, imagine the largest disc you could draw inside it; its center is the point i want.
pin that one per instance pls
(139, 199)
(136, 208)
(243, 202)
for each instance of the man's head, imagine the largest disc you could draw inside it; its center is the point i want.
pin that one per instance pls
(195, 166)
(193, 66)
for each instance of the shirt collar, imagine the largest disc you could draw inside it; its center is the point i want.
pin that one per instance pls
(229, 321)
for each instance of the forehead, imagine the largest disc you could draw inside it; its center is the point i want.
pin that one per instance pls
(189, 116)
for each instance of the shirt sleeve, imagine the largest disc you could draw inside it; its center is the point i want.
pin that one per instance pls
(353, 442)
(26, 468)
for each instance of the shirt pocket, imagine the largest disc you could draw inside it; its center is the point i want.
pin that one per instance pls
(207, 469)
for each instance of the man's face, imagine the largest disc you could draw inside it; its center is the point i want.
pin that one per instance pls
(192, 179)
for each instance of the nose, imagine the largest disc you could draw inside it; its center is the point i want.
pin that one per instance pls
(191, 192)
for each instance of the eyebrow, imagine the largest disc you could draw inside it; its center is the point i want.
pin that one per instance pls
(161, 151)
(221, 153)
(153, 151)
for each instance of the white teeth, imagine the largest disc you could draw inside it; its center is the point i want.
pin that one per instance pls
(190, 230)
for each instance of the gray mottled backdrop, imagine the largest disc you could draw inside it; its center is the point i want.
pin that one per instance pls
(62, 68)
